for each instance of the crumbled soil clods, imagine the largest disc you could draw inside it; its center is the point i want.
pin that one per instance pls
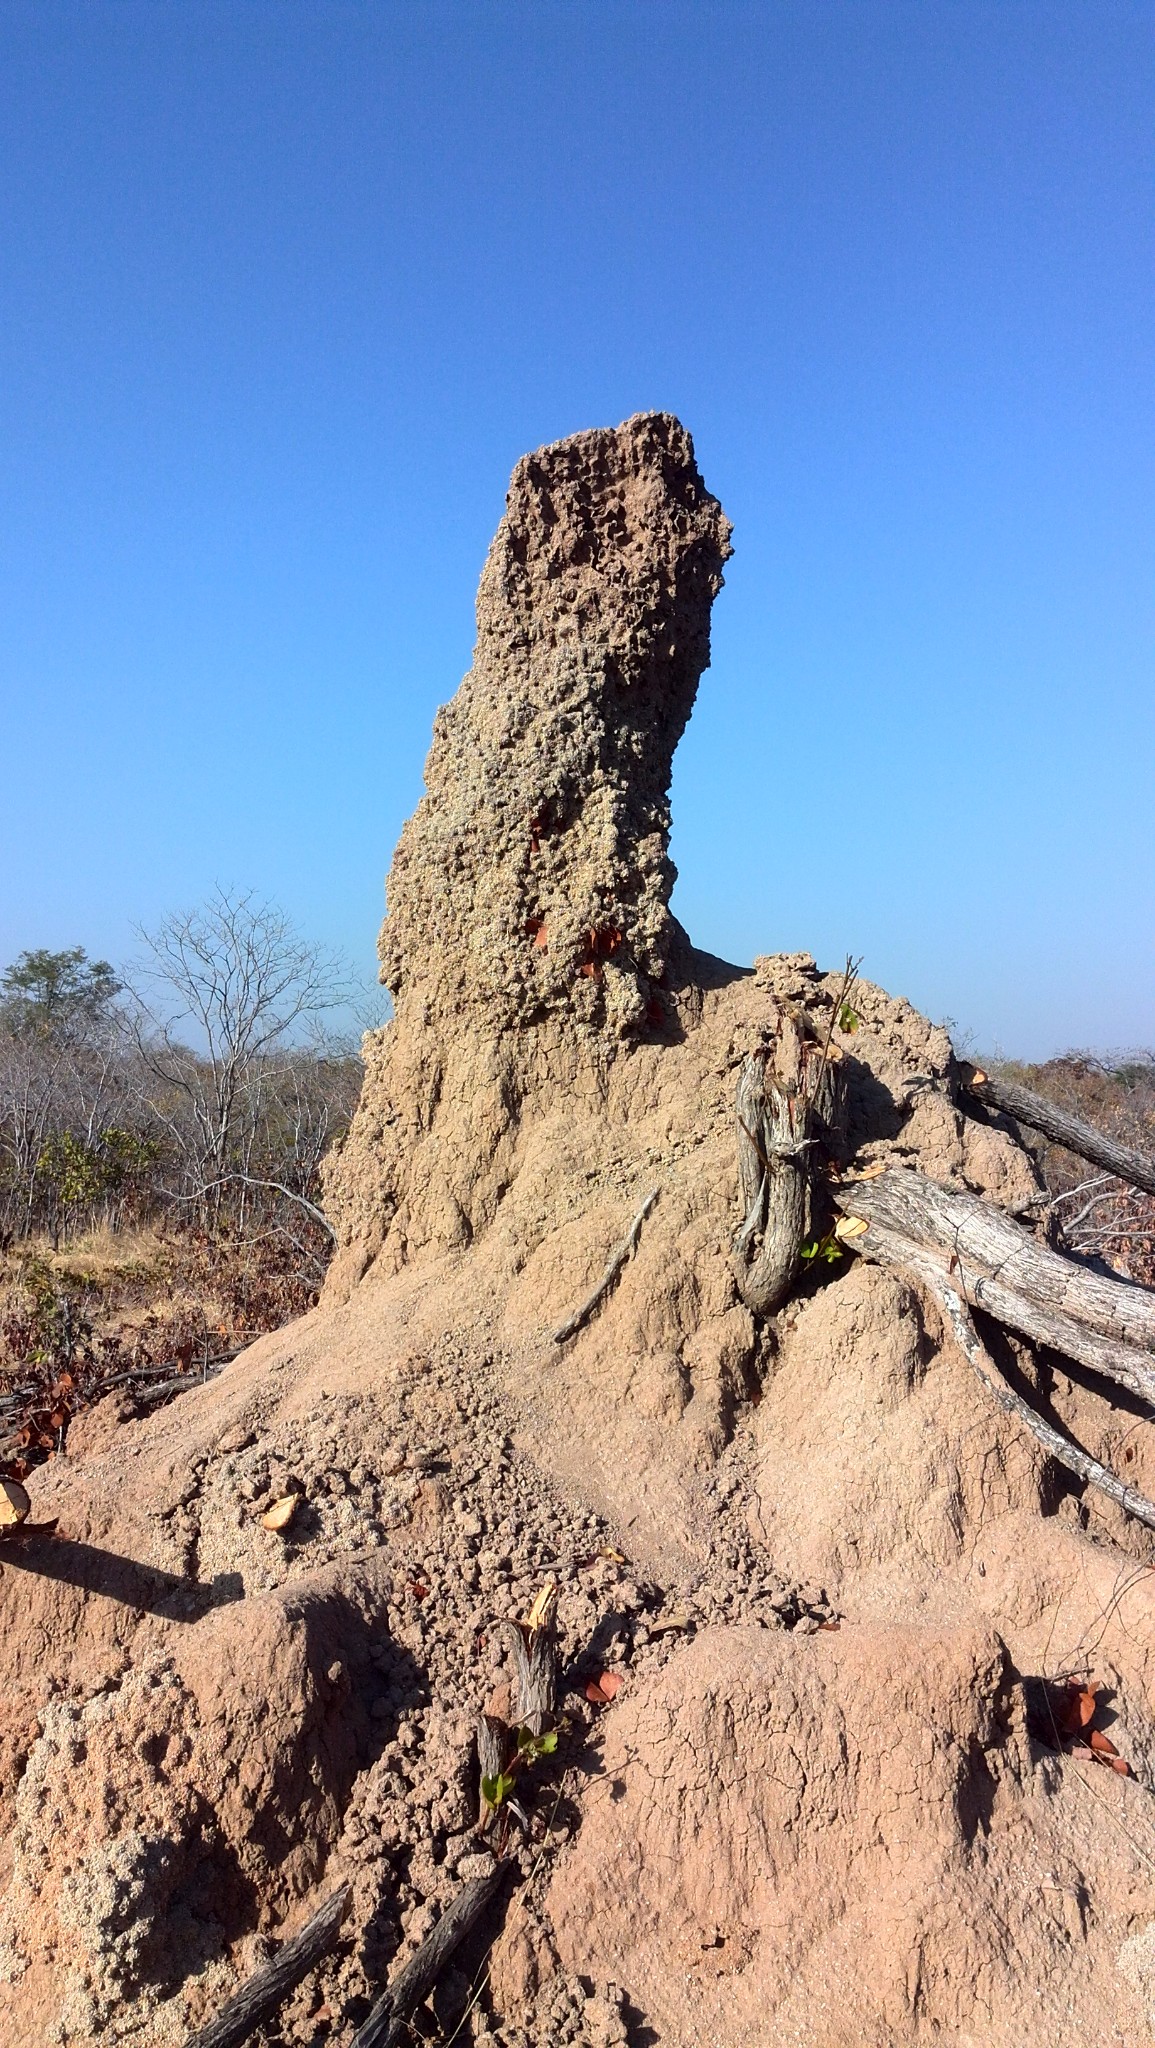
(831, 1576)
(327, 1696)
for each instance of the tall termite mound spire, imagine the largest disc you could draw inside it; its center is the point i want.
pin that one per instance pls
(534, 876)
(528, 901)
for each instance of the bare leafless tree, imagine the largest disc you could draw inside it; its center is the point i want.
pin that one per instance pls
(226, 994)
(66, 1100)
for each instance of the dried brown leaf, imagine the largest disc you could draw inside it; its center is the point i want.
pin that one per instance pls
(15, 1506)
(850, 1226)
(280, 1514)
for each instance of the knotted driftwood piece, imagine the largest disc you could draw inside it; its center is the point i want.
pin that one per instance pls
(788, 1099)
(1060, 1127)
(267, 1989)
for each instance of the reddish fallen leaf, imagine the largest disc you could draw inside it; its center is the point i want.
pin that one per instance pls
(829, 1628)
(1120, 1764)
(1101, 1744)
(602, 1689)
(418, 1591)
(588, 968)
(1076, 1708)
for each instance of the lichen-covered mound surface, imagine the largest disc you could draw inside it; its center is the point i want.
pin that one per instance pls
(829, 1803)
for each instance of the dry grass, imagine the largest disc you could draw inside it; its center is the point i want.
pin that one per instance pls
(143, 1311)
(104, 1256)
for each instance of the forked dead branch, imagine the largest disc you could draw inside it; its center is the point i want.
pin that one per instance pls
(953, 1244)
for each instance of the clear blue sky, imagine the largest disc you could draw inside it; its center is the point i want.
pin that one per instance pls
(285, 290)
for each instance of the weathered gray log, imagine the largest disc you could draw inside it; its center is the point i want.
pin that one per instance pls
(1108, 1325)
(387, 2023)
(787, 1094)
(1060, 1127)
(923, 1265)
(1057, 1332)
(268, 1987)
(618, 1258)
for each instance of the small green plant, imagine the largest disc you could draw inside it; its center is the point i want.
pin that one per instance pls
(826, 1248)
(530, 1747)
(848, 1019)
(494, 1790)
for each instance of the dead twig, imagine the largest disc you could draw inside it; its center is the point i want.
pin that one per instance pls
(618, 1259)
(387, 2023)
(250, 1180)
(841, 1000)
(269, 1986)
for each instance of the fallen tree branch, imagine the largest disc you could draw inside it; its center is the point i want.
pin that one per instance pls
(250, 1180)
(618, 1259)
(147, 1397)
(269, 1986)
(387, 2023)
(1060, 1127)
(998, 1266)
(915, 1260)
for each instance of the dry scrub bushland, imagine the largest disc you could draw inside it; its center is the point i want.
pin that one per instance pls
(160, 1148)
(1095, 1214)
